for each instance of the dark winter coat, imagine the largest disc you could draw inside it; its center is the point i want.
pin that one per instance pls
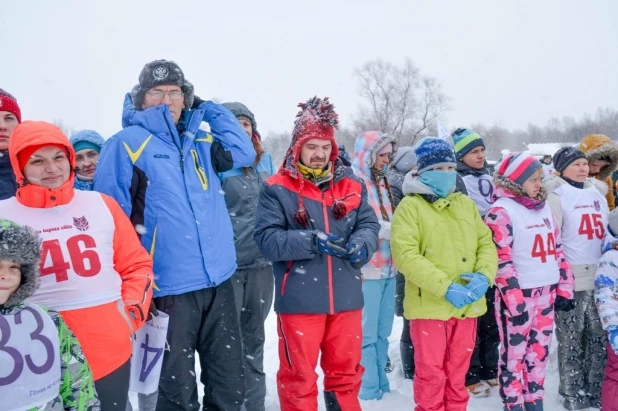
(8, 183)
(241, 196)
(307, 281)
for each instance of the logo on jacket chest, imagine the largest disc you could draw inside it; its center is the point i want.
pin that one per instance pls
(547, 223)
(164, 156)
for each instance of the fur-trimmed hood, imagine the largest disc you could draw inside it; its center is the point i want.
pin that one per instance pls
(552, 182)
(366, 150)
(21, 245)
(600, 147)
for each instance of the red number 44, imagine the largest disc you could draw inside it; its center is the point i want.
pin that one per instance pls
(592, 228)
(60, 268)
(540, 251)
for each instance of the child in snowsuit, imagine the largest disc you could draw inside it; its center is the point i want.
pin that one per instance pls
(373, 152)
(606, 299)
(50, 358)
(474, 180)
(533, 273)
(442, 247)
(579, 205)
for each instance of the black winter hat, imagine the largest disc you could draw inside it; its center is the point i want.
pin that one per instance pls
(565, 156)
(21, 245)
(161, 73)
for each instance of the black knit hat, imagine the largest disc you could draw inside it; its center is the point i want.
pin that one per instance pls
(161, 73)
(21, 245)
(565, 156)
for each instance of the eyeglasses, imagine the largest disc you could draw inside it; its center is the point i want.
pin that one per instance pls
(160, 94)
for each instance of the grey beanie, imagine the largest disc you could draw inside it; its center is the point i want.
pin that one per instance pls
(161, 73)
(405, 160)
(21, 245)
(240, 110)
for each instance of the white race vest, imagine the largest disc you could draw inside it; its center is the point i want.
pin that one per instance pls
(584, 218)
(480, 189)
(534, 245)
(77, 255)
(29, 359)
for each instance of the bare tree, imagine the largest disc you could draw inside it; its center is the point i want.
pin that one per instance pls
(399, 101)
(66, 129)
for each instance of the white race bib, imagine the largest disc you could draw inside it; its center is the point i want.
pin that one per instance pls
(481, 190)
(147, 359)
(534, 246)
(29, 359)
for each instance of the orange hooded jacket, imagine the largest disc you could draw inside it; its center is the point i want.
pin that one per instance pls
(600, 147)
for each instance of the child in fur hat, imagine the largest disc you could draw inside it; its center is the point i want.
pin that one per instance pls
(533, 274)
(44, 369)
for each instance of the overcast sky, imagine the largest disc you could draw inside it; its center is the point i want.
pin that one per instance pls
(505, 62)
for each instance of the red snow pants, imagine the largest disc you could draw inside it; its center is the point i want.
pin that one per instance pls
(301, 338)
(609, 390)
(442, 351)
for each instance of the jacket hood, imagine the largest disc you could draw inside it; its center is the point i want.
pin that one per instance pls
(20, 244)
(553, 181)
(366, 150)
(404, 160)
(36, 133)
(413, 185)
(600, 147)
(89, 136)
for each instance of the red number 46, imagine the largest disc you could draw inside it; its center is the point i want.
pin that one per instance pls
(59, 267)
(539, 250)
(591, 228)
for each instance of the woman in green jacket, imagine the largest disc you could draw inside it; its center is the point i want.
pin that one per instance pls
(446, 253)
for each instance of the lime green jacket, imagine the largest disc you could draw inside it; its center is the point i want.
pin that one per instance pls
(434, 241)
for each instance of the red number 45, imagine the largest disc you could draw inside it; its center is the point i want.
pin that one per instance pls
(60, 268)
(539, 250)
(591, 228)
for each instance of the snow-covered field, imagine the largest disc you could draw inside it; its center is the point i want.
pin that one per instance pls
(400, 398)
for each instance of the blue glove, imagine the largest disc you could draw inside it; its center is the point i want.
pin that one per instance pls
(477, 284)
(357, 254)
(612, 336)
(459, 296)
(327, 244)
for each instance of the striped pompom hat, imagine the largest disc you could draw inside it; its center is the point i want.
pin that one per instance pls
(518, 167)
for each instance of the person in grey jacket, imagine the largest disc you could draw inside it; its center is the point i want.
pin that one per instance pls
(253, 280)
(404, 162)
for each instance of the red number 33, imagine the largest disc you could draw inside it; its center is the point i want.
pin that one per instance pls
(60, 268)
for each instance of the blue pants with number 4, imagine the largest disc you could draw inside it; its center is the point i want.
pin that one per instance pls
(378, 315)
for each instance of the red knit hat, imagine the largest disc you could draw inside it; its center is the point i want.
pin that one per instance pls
(24, 155)
(9, 103)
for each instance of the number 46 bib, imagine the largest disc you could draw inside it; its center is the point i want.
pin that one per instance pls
(30, 359)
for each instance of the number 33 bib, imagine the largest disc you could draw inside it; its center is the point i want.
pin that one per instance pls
(30, 359)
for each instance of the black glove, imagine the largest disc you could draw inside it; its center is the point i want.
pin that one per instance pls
(564, 304)
(152, 311)
(520, 319)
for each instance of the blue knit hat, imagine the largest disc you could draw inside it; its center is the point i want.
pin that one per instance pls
(433, 152)
(465, 140)
(87, 139)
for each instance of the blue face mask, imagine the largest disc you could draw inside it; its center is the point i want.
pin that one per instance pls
(440, 182)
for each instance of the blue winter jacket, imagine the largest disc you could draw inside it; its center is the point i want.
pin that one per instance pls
(168, 184)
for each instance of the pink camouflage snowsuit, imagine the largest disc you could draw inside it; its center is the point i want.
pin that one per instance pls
(524, 351)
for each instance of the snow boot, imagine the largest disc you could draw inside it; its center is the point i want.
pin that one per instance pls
(534, 405)
(492, 382)
(406, 351)
(330, 399)
(479, 390)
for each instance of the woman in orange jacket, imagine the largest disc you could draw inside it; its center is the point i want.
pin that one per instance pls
(94, 270)
(602, 155)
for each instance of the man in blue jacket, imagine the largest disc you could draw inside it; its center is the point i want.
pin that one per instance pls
(162, 169)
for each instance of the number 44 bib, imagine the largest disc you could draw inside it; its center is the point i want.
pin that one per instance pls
(30, 359)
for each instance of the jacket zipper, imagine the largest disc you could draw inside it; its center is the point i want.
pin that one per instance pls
(285, 278)
(182, 157)
(329, 261)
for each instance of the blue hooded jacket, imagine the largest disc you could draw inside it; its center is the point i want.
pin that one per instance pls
(167, 183)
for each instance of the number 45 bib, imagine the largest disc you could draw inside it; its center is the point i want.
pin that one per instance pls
(29, 359)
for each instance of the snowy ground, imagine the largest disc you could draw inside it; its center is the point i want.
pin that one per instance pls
(401, 397)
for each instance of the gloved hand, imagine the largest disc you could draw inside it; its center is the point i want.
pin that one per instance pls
(459, 296)
(385, 230)
(477, 284)
(564, 304)
(152, 311)
(357, 254)
(328, 244)
(612, 336)
(520, 319)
